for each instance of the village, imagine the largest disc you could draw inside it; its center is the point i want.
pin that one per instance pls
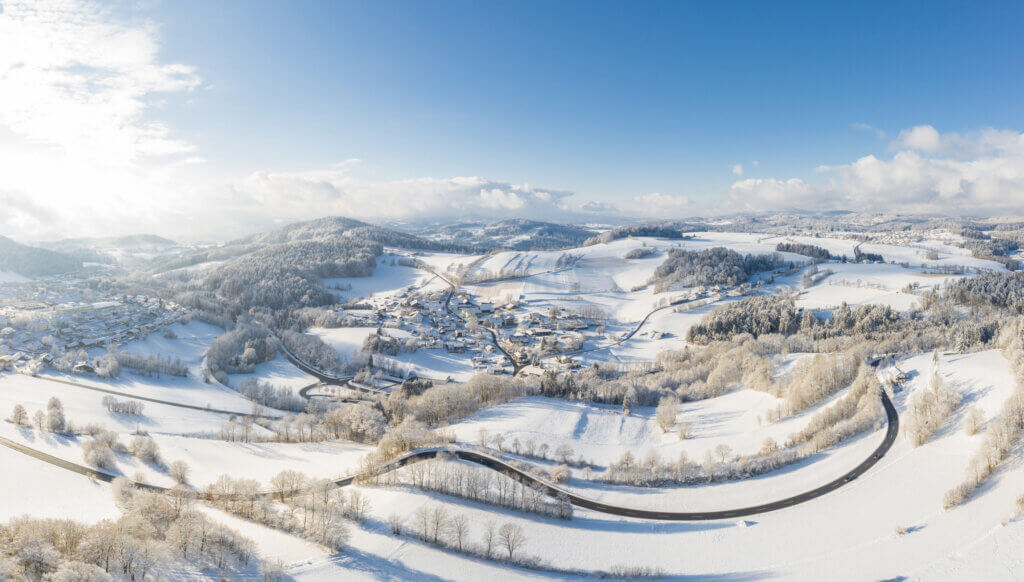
(509, 335)
(35, 324)
(498, 338)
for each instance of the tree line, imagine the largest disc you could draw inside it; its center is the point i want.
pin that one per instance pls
(715, 266)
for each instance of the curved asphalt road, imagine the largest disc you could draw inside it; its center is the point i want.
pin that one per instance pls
(586, 503)
(552, 490)
(326, 379)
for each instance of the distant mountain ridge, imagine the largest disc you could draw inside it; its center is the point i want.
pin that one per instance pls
(33, 261)
(329, 229)
(282, 268)
(329, 226)
(134, 241)
(516, 234)
(131, 251)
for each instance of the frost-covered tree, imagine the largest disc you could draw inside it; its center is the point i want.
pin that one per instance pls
(18, 415)
(665, 414)
(564, 453)
(107, 366)
(146, 449)
(815, 252)
(757, 316)
(280, 397)
(179, 471)
(559, 473)
(359, 422)
(287, 483)
(146, 365)
(97, 454)
(929, 409)
(55, 421)
(490, 539)
(313, 351)
(716, 266)
(974, 420)
(79, 572)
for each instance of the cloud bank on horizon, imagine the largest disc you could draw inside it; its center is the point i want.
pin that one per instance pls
(927, 172)
(82, 155)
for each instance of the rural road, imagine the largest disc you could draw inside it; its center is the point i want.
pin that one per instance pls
(551, 490)
(325, 378)
(586, 503)
(153, 400)
(448, 307)
(617, 342)
(68, 465)
(494, 337)
(344, 381)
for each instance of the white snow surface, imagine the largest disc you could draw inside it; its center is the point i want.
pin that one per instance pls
(848, 534)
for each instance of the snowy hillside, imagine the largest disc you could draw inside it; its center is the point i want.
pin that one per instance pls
(574, 365)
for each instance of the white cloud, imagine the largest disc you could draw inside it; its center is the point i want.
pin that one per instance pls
(929, 172)
(880, 134)
(661, 205)
(75, 80)
(81, 157)
(599, 208)
(296, 196)
(927, 140)
(769, 193)
(78, 149)
(923, 138)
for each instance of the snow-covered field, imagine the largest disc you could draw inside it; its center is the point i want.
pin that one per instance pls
(914, 255)
(848, 534)
(277, 372)
(426, 363)
(390, 277)
(858, 284)
(31, 487)
(83, 406)
(345, 340)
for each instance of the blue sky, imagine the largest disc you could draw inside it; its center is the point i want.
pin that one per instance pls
(610, 99)
(256, 110)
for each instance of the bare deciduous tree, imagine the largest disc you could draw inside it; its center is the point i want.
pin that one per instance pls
(395, 521)
(458, 528)
(179, 471)
(511, 537)
(564, 453)
(490, 539)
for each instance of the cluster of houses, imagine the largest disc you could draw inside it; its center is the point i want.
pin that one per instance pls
(424, 319)
(472, 326)
(528, 333)
(32, 330)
